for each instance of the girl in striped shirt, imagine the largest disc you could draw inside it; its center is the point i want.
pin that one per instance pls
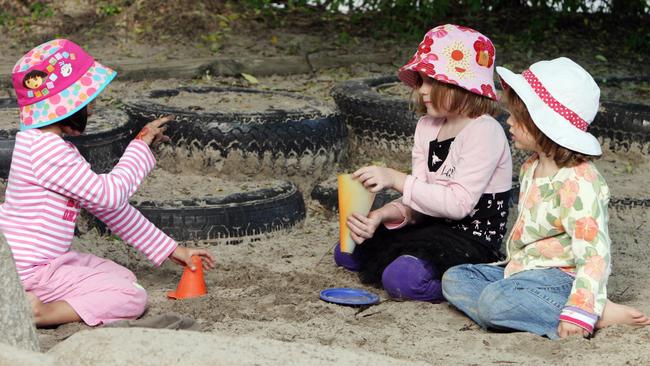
(49, 181)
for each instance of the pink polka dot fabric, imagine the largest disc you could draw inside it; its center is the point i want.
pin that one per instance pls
(55, 80)
(455, 55)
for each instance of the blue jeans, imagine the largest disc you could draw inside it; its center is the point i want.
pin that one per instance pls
(529, 301)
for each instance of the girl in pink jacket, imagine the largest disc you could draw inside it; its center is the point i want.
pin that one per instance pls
(49, 181)
(455, 201)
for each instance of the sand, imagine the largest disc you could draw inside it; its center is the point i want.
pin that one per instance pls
(233, 102)
(267, 288)
(165, 186)
(264, 292)
(8, 118)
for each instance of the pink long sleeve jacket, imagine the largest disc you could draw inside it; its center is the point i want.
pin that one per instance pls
(49, 181)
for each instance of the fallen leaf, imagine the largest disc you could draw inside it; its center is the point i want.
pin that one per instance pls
(601, 58)
(250, 78)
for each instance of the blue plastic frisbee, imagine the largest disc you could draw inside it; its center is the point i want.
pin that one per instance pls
(349, 296)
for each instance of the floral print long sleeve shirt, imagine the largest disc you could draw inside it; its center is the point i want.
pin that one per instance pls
(562, 223)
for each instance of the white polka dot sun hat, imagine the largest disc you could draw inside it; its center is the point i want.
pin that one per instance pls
(55, 80)
(562, 99)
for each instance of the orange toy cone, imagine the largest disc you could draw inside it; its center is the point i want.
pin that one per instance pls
(191, 284)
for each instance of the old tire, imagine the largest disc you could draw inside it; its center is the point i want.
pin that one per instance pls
(326, 193)
(107, 135)
(233, 216)
(313, 132)
(374, 118)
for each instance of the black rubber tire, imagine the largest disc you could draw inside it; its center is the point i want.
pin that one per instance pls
(327, 196)
(278, 132)
(622, 125)
(372, 116)
(237, 215)
(107, 135)
(7, 138)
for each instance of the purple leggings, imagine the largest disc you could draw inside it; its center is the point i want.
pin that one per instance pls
(407, 277)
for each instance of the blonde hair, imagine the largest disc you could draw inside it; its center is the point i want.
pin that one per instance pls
(455, 100)
(563, 157)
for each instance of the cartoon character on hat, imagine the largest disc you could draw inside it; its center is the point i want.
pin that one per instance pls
(55, 80)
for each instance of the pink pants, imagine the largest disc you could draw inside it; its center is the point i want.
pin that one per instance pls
(99, 290)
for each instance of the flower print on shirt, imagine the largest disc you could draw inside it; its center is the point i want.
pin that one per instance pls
(586, 229)
(584, 171)
(566, 229)
(550, 248)
(582, 298)
(533, 198)
(595, 267)
(569, 193)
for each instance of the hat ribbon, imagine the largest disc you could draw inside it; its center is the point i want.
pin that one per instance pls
(553, 103)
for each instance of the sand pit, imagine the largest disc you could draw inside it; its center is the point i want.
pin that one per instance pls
(265, 289)
(165, 186)
(268, 288)
(238, 102)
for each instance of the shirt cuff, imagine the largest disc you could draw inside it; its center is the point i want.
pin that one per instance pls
(160, 257)
(397, 224)
(579, 317)
(408, 190)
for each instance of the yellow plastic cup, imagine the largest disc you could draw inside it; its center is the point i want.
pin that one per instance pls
(353, 198)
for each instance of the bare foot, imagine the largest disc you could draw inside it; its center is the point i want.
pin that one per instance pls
(621, 314)
(36, 304)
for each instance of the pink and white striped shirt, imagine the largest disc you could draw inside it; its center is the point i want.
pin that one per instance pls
(49, 181)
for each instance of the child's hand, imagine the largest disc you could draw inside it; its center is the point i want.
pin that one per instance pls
(566, 329)
(376, 178)
(154, 131)
(361, 227)
(182, 256)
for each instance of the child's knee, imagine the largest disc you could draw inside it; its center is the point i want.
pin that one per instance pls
(408, 277)
(135, 301)
(350, 262)
(494, 304)
(453, 279)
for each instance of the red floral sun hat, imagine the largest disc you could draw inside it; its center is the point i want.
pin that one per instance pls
(455, 55)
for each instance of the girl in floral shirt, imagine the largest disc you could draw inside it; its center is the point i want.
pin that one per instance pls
(558, 253)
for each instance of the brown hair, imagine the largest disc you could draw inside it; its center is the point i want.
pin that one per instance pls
(563, 157)
(456, 100)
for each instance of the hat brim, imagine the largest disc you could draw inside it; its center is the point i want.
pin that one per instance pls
(551, 123)
(69, 100)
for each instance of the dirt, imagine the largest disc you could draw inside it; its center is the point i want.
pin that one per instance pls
(164, 186)
(268, 287)
(233, 102)
(8, 118)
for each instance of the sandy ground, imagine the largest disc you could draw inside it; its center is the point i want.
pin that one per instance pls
(267, 287)
(162, 185)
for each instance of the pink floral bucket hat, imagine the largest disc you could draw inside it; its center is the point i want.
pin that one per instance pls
(455, 55)
(55, 80)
